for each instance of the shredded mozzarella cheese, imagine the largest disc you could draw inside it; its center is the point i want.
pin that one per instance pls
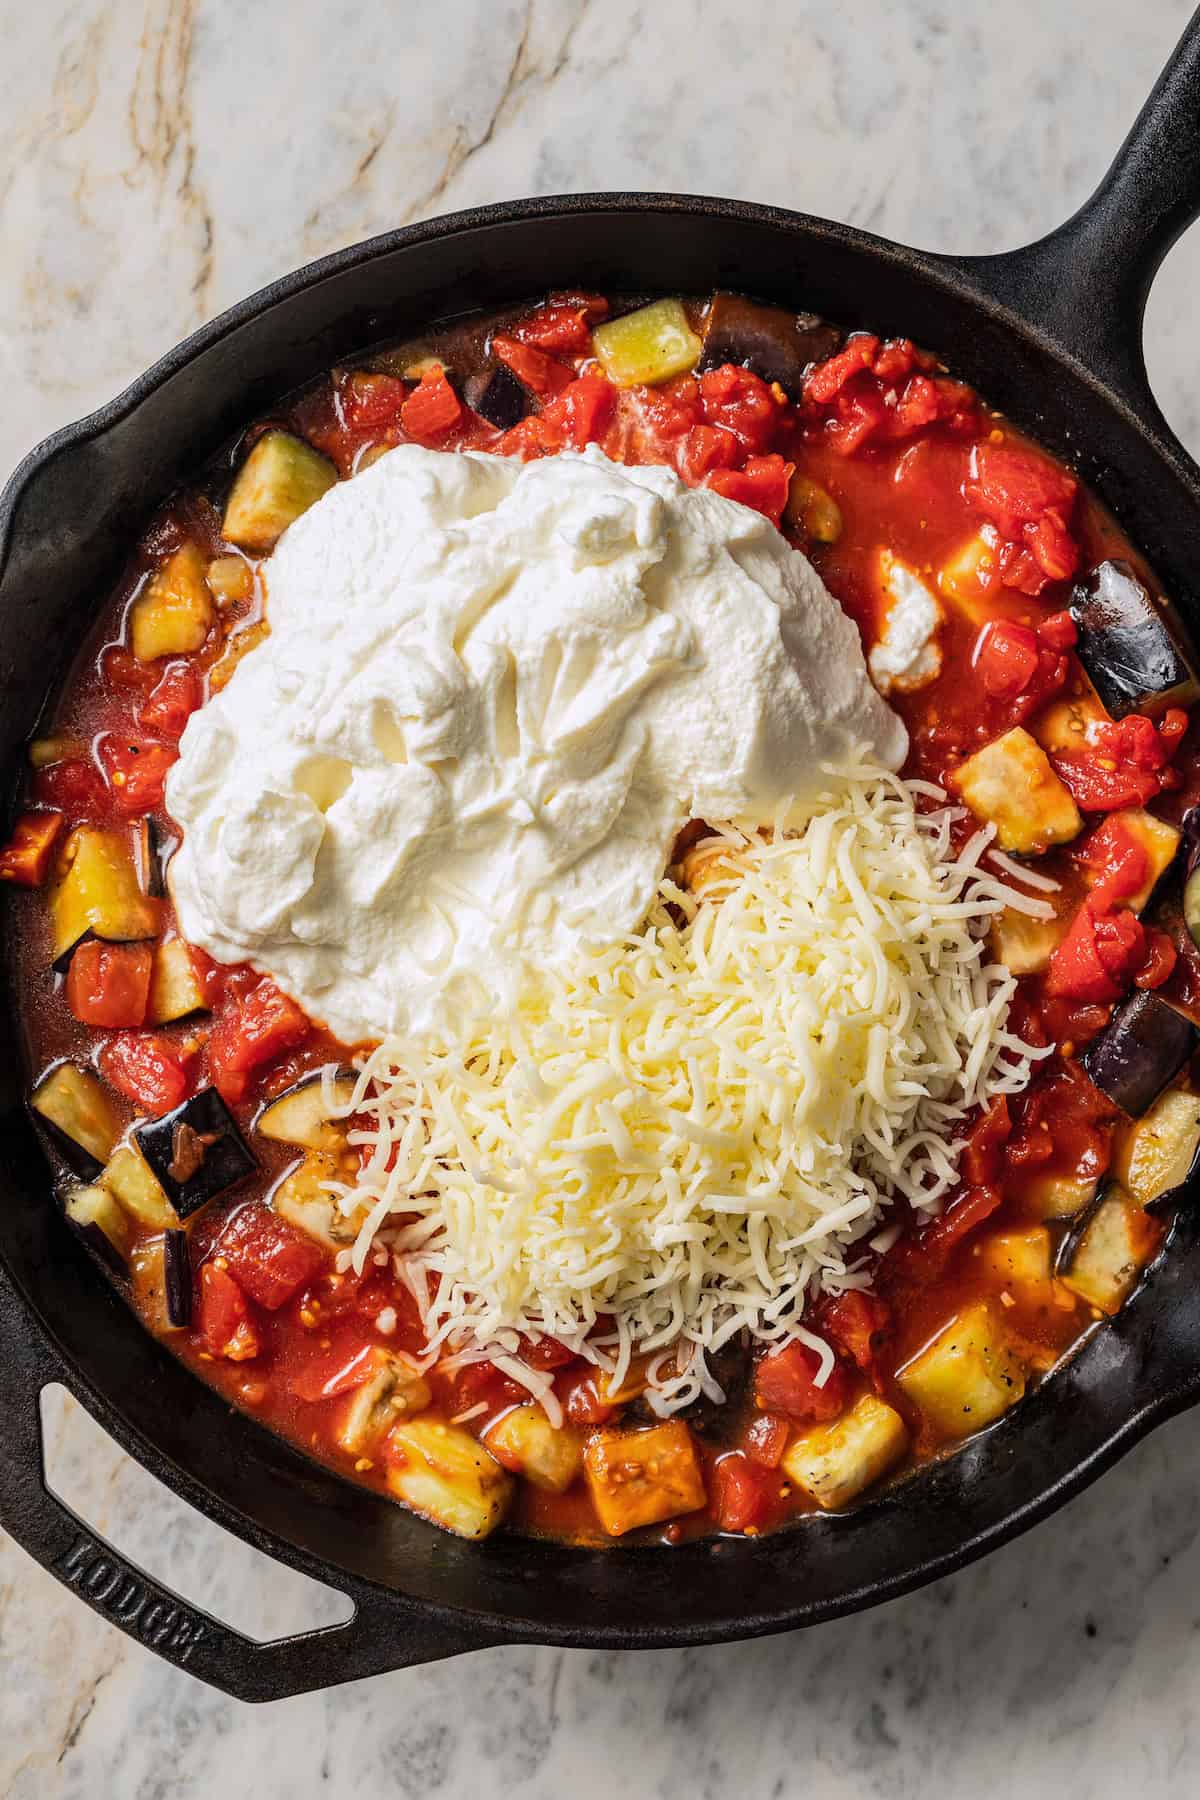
(689, 1131)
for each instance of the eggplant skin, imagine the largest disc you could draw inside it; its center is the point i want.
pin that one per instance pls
(497, 396)
(773, 343)
(1142, 1048)
(222, 1163)
(177, 1277)
(1125, 645)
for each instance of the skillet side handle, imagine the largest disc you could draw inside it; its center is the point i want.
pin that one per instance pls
(1086, 284)
(384, 1632)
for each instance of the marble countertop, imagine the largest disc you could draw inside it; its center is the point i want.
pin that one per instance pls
(158, 161)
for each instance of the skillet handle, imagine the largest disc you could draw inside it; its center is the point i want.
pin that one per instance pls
(1086, 284)
(385, 1631)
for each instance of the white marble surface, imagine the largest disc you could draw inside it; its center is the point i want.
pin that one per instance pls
(157, 161)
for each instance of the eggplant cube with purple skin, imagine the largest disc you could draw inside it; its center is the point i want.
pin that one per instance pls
(196, 1152)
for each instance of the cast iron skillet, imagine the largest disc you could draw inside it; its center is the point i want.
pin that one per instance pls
(1052, 334)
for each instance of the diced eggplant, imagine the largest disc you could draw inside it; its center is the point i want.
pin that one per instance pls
(395, 1391)
(524, 1441)
(647, 346)
(1055, 1195)
(1154, 1157)
(497, 396)
(813, 510)
(1191, 873)
(95, 1213)
(280, 479)
(1140, 1050)
(238, 644)
(231, 579)
(833, 1463)
(98, 893)
(131, 1181)
(175, 991)
(196, 1152)
(160, 1277)
(1020, 1262)
(44, 752)
(75, 1104)
(152, 852)
(177, 1277)
(1025, 945)
(1135, 662)
(1160, 843)
(172, 614)
(1102, 1259)
(1066, 724)
(301, 1198)
(776, 344)
(444, 1474)
(301, 1115)
(1010, 784)
(641, 1477)
(968, 1376)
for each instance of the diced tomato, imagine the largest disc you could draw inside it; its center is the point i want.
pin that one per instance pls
(256, 1028)
(270, 1259)
(827, 379)
(982, 1154)
(897, 358)
(1064, 1119)
(580, 1398)
(762, 484)
(1125, 764)
(109, 984)
(669, 412)
(561, 325)
(1160, 960)
(924, 1255)
(742, 403)
(545, 1353)
(919, 405)
(861, 414)
(785, 1382)
(540, 373)
(372, 402)
(1006, 658)
(708, 447)
(482, 1383)
(176, 697)
(857, 1323)
(581, 413)
(1096, 960)
(147, 1068)
(75, 787)
(1052, 547)
(765, 1439)
(122, 670)
(432, 409)
(1118, 860)
(1058, 631)
(743, 1493)
(27, 856)
(223, 1316)
(335, 1373)
(136, 773)
(1019, 569)
(1015, 486)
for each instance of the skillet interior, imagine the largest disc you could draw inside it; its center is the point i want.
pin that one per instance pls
(74, 508)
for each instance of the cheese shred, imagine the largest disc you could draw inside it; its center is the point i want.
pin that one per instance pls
(690, 1132)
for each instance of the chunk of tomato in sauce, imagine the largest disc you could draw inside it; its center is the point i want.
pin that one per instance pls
(1126, 764)
(785, 1382)
(741, 403)
(857, 1323)
(743, 1492)
(543, 375)
(109, 984)
(270, 1259)
(136, 773)
(432, 409)
(253, 1030)
(1015, 485)
(765, 1439)
(223, 1321)
(176, 696)
(564, 324)
(762, 483)
(147, 1068)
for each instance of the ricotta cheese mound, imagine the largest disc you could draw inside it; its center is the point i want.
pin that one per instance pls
(693, 1129)
(908, 654)
(490, 696)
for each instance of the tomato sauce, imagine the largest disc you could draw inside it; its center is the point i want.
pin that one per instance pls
(878, 449)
